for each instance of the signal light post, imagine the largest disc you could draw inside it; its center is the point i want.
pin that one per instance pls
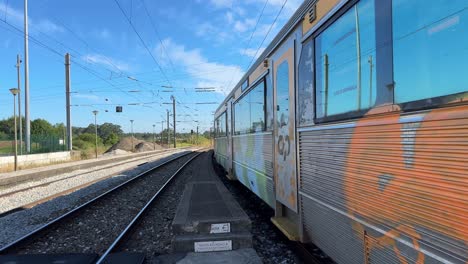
(14, 92)
(95, 112)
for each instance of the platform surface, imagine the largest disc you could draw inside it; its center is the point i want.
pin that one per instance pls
(206, 201)
(240, 256)
(208, 218)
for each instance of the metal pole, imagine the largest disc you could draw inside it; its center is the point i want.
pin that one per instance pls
(174, 120)
(67, 95)
(358, 51)
(154, 137)
(325, 111)
(197, 136)
(162, 129)
(18, 64)
(95, 129)
(133, 146)
(370, 80)
(167, 128)
(16, 136)
(26, 79)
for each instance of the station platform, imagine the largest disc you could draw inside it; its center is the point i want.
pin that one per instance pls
(209, 225)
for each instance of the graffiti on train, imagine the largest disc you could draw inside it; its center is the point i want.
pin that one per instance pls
(413, 207)
(284, 146)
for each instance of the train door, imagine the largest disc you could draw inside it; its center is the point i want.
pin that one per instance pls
(229, 139)
(285, 173)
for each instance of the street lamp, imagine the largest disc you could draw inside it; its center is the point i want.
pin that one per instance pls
(14, 92)
(95, 112)
(154, 137)
(133, 146)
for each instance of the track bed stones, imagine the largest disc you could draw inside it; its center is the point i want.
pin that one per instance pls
(153, 234)
(92, 229)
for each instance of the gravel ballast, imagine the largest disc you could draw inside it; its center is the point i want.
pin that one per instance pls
(64, 182)
(93, 229)
(153, 234)
(17, 224)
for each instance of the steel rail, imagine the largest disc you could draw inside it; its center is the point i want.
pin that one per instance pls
(9, 246)
(107, 166)
(142, 211)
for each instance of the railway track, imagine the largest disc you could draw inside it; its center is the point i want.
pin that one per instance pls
(13, 192)
(94, 226)
(123, 242)
(101, 168)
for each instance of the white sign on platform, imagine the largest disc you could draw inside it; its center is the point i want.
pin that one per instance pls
(209, 246)
(220, 228)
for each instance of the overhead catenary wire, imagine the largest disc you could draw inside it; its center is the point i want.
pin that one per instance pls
(54, 51)
(143, 42)
(153, 25)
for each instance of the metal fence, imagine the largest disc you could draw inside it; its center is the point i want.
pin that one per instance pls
(39, 144)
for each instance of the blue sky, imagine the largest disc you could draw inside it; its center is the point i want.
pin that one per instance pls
(195, 43)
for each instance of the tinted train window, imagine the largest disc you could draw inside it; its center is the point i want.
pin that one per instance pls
(250, 111)
(345, 62)
(269, 102)
(430, 47)
(282, 94)
(305, 99)
(221, 125)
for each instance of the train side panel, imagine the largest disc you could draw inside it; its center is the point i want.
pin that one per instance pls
(390, 189)
(253, 163)
(221, 151)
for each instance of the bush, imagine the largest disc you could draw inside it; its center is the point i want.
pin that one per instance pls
(111, 139)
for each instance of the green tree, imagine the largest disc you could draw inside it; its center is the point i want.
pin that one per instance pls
(6, 126)
(41, 127)
(111, 139)
(106, 129)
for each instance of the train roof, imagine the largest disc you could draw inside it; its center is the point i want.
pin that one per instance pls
(283, 33)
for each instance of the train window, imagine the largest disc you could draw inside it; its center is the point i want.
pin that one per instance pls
(430, 48)
(250, 111)
(221, 125)
(305, 99)
(245, 85)
(345, 62)
(269, 103)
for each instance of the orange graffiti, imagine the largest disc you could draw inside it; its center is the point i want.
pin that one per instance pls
(403, 176)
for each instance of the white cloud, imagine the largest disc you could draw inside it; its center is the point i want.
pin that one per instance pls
(204, 29)
(16, 17)
(205, 73)
(106, 61)
(252, 52)
(243, 26)
(90, 97)
(289, 8)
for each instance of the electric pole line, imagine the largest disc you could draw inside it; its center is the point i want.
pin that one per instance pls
(154, 137)
(26, 79)
(167, 127)
(18, 65)
(162, 129)
(174, 120)
(67, 94)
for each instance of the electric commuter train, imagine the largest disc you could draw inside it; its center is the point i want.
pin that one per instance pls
(353, 126)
